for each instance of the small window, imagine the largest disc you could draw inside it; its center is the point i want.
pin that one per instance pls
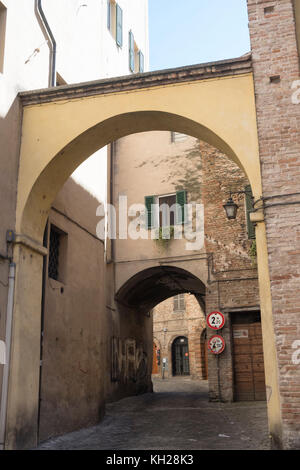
(57, 254)
(166, 214)
(108, 15)
(179, 303)
(178, 137)
(2, 35)
(131, 52)
(115, 21)
(119, 25)
(141, 62)
(166, 210)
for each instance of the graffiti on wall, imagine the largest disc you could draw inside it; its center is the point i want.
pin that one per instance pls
(129, 361)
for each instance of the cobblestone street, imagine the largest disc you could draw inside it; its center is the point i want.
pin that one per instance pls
(178, 416)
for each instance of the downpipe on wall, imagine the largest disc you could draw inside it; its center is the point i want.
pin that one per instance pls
(8, 335)
(50, 39)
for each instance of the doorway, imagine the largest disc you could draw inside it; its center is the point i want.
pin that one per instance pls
(180, 356)
(248, 361)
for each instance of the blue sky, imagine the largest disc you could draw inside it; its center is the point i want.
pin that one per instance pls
(185, 32)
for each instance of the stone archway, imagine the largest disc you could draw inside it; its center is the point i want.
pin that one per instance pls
(62, 128)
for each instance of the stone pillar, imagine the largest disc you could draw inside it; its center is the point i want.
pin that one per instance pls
(276, 68)
(23, 391)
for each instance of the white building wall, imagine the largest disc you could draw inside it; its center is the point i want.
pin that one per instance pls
(86, 50)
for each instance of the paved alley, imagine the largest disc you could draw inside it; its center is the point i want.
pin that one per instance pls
(177, 416)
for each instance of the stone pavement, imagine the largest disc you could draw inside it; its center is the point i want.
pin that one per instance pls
(177, 417)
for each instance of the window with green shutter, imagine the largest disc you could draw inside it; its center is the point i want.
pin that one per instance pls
(160, 210)
(249, 209)
(131, 51)
(149, 202)
(181, 200)
(119, 25)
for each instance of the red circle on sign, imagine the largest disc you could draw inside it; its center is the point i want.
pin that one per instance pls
(216, 344)
(211, 316)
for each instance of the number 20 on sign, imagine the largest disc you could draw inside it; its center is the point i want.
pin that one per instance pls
(215, 320)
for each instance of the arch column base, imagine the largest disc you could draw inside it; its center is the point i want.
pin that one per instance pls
(23, 389)
(269, 344)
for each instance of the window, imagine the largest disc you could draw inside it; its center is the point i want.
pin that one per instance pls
(131, 52)
(141, 62)
(166, 214)
(2, 34)
(166, 210)
(57, 254)
(179, 303)
(119, 25)
(136, 57)
(249, 208)
(178, 137)
(108, 15)
(115, 21)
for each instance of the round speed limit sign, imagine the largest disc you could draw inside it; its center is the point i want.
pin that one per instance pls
(215, 320)
(216, 344)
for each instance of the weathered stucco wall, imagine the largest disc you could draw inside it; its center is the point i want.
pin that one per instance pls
(74, 343)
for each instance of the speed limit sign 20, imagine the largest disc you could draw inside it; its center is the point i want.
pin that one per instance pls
(215, 320)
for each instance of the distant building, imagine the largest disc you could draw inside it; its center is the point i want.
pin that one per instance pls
(179, 338)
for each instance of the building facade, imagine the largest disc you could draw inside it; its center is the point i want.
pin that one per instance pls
(169, 167)
(248, 109)
(59, 43)
(179, 338)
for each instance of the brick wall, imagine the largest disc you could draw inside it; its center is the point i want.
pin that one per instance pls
(233, 280)
(274, 52)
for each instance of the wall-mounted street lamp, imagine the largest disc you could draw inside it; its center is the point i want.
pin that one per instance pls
(231, 207)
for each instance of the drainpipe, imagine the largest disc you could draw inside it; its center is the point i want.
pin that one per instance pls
(50, 39)
(8, 334)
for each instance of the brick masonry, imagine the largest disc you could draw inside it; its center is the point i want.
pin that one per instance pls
(231, 281)
(275, 54)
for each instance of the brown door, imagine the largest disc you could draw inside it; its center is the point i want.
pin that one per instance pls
(248, 362)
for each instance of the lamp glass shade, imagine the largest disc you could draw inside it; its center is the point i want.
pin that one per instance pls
(230, 209)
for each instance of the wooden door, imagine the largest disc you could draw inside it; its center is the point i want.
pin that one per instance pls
(248, 363)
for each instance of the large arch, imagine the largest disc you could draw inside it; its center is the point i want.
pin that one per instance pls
(61, 128)
(152, 286)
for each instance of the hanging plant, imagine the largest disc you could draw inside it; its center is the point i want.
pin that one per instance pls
(164, 235)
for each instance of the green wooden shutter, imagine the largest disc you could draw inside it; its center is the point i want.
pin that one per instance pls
(249, 208)
(131, 51)
(149, 202)
(181, 200)
(119, 25)
(142, 62)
